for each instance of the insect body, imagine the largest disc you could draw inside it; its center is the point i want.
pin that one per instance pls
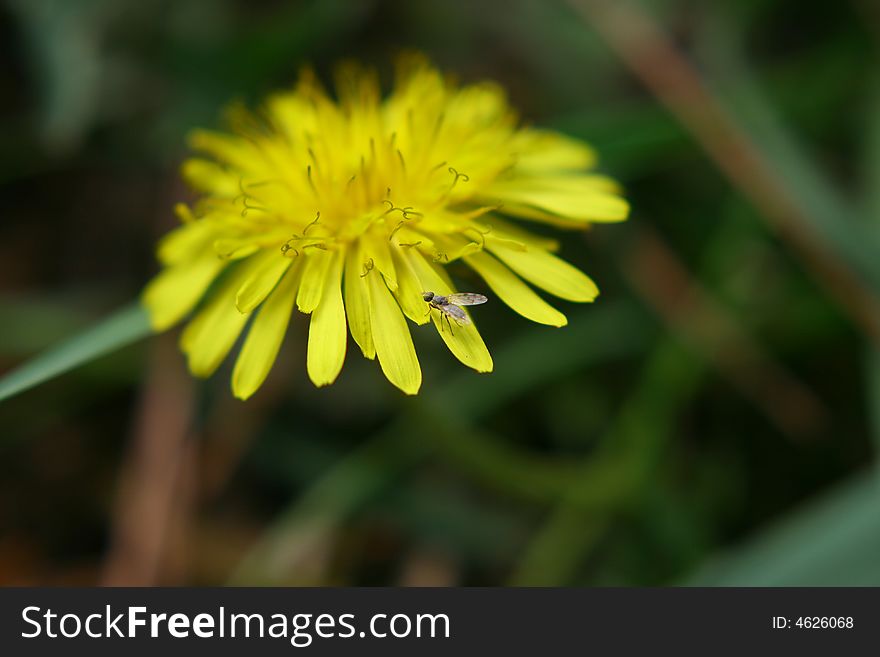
(450, 305)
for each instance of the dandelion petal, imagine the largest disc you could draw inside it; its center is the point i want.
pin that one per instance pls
(541, 150)
(209, 177)
(549, 273)
(409, 292)
(176, 290)
(210, 335)
(394, 346)
(326, 351)
(464, 342)
(264, 339)
(508, 287)
(267, 273)
(357, 304)
(576, 198)
(185, 242)
(313, 278)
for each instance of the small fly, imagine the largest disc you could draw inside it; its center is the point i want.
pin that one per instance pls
(450, 306)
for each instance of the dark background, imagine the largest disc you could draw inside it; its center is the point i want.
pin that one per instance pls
(713, 418)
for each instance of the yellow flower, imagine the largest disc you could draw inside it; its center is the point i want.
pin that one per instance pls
(350, 209)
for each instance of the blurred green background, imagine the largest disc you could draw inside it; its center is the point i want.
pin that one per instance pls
(714, 418)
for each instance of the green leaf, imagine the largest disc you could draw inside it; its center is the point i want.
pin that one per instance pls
(118, 330)
(833, 541)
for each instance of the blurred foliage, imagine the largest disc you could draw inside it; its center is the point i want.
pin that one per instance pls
(614, 451)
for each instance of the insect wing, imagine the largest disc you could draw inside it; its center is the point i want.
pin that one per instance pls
(466, 299)
(455, 313)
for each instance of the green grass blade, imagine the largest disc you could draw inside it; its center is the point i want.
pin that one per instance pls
(831, 542)
(118, 330)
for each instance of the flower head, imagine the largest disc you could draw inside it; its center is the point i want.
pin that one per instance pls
(349, 210)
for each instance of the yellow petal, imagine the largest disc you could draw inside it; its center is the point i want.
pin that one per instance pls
(509, 231)
(454, 247)
(408, 239)
(508, 287)
(270, 266)
(210, 335)
(376, 247)
(176, 290)
(357, 302)
(409, 292)
(540, 150)
(394, 346)
(235, 248)
(578, 198)
(313, 278)
(549, 273)
(185, 242)
(293, 115)
(227, 148)
(327, 337)
(464, 342)
(211, 178)
(264, 338)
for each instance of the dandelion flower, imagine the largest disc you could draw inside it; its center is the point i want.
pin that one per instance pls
(349, 209)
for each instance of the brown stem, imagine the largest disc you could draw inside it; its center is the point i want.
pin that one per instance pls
(156, 469)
